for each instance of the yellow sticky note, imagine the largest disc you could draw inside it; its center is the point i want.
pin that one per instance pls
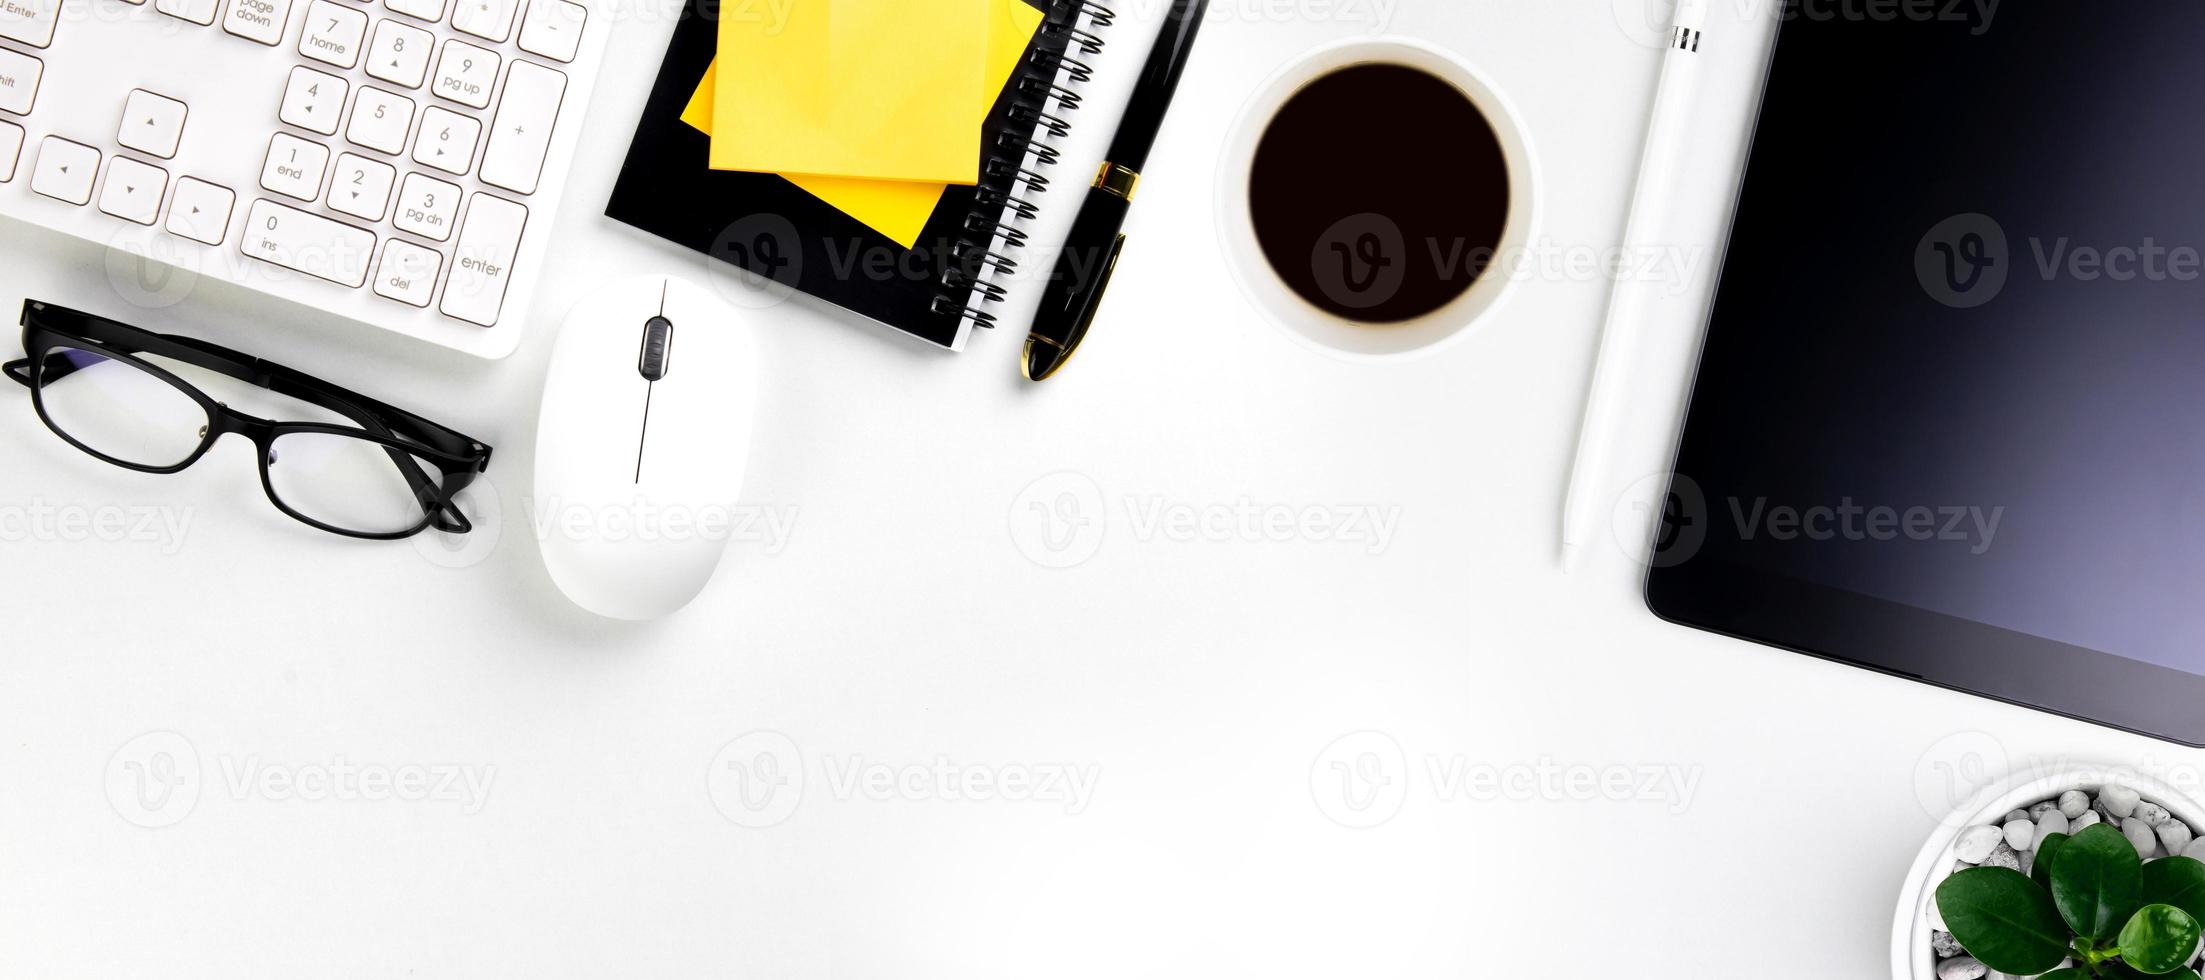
(878, 89)
(896, 208)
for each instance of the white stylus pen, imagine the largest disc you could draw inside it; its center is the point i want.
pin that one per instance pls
(1665, 134)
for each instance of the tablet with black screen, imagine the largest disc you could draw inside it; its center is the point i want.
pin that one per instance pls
(1950, 418)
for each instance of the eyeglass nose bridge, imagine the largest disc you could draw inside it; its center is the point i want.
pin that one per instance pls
(227, 420)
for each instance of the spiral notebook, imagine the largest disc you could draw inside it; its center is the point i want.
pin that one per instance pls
(939, 287)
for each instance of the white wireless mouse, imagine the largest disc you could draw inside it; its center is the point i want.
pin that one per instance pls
(641, 445)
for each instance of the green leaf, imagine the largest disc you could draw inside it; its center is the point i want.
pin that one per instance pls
(2047, 849)
(2097, 882)
(2003, 919)
(2159, 939)
(2176, 881)
(2119, 971)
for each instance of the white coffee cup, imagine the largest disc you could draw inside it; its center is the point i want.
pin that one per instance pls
(1323, 330)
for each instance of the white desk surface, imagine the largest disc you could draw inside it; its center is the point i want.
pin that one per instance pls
(1194, 686)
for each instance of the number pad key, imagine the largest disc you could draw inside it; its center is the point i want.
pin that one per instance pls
(399, 53)
(465, 74)
(553, 28)
(426, 207)
(333, 34)
(490, 20)
(362, 187)
(294, 167)
(380, 120)
(446, 141)
(312, 100)
(428, 10)
(407, 272)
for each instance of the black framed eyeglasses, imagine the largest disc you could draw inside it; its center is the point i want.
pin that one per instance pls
(392, 475)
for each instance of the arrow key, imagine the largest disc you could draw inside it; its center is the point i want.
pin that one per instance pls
(201, 211)
(151, 123)
(133, 191)
(65, 170)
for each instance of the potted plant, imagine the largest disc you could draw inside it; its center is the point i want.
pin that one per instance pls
(2089, 908)
(2100, 869)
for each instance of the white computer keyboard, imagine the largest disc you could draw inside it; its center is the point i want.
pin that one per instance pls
(397, 162)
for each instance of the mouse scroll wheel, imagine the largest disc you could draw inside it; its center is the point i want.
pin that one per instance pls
(658, 348)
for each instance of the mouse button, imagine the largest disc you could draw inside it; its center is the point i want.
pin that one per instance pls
(655, 359)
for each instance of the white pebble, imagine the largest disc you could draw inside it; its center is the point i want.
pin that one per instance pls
(2120, 801)
(2196, 850)
(2152, 813)
(2139, 834)
(2088, 818)
(2020, 834)
(2074, 804)
(2175, 835)
(2028, 861)
(2004, 856)
(2037, 811)
(2016, 815)
(2053, 822)
(1961, 968)
(1975, 843)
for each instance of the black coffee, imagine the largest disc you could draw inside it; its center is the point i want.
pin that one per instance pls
(1379, 193)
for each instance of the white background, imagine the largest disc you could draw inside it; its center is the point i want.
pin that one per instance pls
(1202, 684)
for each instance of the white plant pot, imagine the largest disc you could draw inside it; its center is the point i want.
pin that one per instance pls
(1911, 958)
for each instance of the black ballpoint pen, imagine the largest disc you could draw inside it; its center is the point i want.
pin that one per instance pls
(1082, 273)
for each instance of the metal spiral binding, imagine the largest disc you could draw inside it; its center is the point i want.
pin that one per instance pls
(1012, 177)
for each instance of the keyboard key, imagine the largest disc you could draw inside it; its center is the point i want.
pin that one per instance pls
(11, 147)
(19, 74)
(333, 34)
(200, 211)
(428, 10)
(133, 190)
(491, 20)
(312, 100)
(199, 12)
(151, 123)
(29, 21)
(65, 170)
(446, 141)
(482, 262)
(514, 156)
(258, 20)
(295, 167)
(426, 207)
(407, 272)
(380, 120)
(309, 243)
(362, 187)
(465, 74)
(399, 54)
(553, 28)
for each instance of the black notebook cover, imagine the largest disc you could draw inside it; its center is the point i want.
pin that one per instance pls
(775, 229)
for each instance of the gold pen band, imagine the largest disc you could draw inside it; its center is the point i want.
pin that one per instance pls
(1117, 180)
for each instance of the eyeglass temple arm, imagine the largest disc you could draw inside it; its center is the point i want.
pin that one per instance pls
(366, 411)
(58, 366)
